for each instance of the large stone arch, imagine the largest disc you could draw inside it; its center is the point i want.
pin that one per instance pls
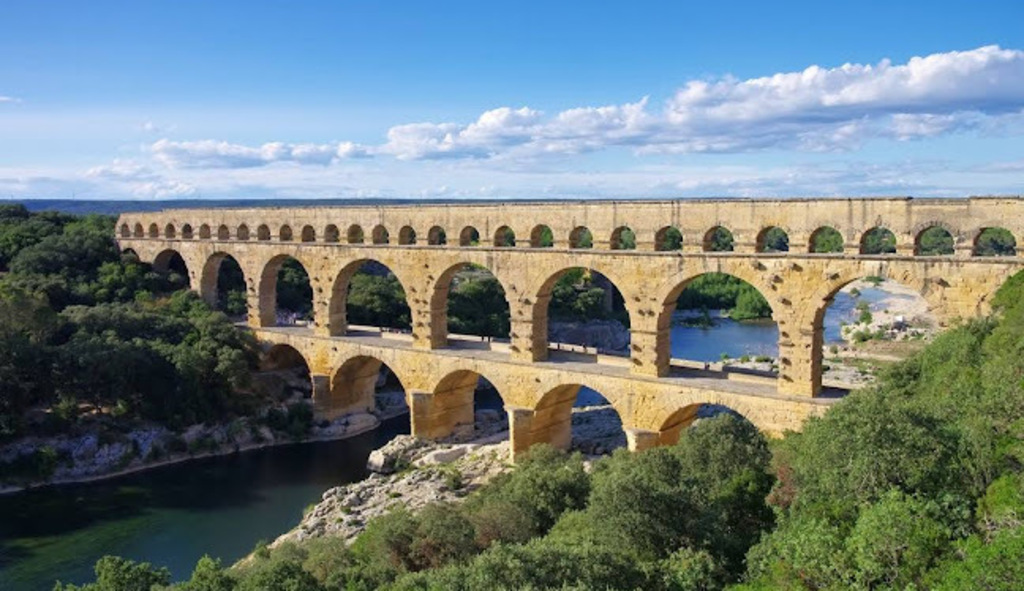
(267, 286)
(164, 260)
(439, 291)
(337, 304)
(352, 387)
(945, 299)
(210, 273)
(538, 297)
(552, 413)
(670, 420)
(451, 403)
(667, 294)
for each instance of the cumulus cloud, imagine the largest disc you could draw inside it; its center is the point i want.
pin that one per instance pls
(221, 154)
(817, 109)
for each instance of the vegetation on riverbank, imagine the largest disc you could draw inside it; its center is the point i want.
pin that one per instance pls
(917, 482)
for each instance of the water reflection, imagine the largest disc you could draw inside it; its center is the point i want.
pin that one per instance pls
(172, 516)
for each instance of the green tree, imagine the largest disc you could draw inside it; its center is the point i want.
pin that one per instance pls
(208, 575)
(995, 242)
(118, 574)
(935, 241)
(775, 239)
(878, 241)
(826, 239)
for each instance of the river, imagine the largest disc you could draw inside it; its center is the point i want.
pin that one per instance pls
(222, 506)
(172, 515)
(754, 338)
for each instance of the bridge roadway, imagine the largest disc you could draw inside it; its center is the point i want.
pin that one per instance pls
(538, 396)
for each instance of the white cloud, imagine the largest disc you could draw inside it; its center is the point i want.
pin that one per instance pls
(9, 99)
(221, 154)
(817, 109)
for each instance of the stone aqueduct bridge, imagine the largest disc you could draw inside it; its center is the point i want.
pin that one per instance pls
(424, 246)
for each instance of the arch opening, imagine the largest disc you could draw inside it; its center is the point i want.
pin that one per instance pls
(578, 418)
(204, 232)
(623, 238)
(866, 324)
(223, 233)
(718, 239)
(469, 236)
(542, 237)
(380, 235)
(437, 236)
(171, 265)
(581, 237)
(475, 305)
(407, 235)
(286, 296)
(169, 231)
(242, 232)
(826, 239)
(579, 309)
(933, 241)
(995, 242)
(690, 416)
(363, 384)
(126, 232)
(224, 287)
(263, 232)
(721, 322)
(308, 234)
(473, 408)
(331, 233)
(355, 235)
(878, 240)
(668, 238)
(367, 293)
(504, 237)
(285, 233)
(186, 232)
(154, 231)
(138, 233)
(773, 239)
(284, 377)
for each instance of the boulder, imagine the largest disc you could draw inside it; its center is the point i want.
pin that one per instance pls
(398, 452)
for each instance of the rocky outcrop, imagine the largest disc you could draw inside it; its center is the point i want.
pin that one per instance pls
(421, 473)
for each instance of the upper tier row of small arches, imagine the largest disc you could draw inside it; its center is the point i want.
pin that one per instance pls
(931, 240)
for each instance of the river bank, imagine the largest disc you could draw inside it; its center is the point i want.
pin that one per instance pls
(97, 454)
(412, 473)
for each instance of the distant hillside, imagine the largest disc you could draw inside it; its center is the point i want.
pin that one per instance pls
(78, 206)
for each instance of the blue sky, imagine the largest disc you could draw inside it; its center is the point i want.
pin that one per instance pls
(152, 100)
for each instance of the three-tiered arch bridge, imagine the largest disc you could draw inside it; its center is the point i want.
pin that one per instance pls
(529, 246)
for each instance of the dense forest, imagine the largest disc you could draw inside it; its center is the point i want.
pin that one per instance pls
(914, 483)
(87, 332)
